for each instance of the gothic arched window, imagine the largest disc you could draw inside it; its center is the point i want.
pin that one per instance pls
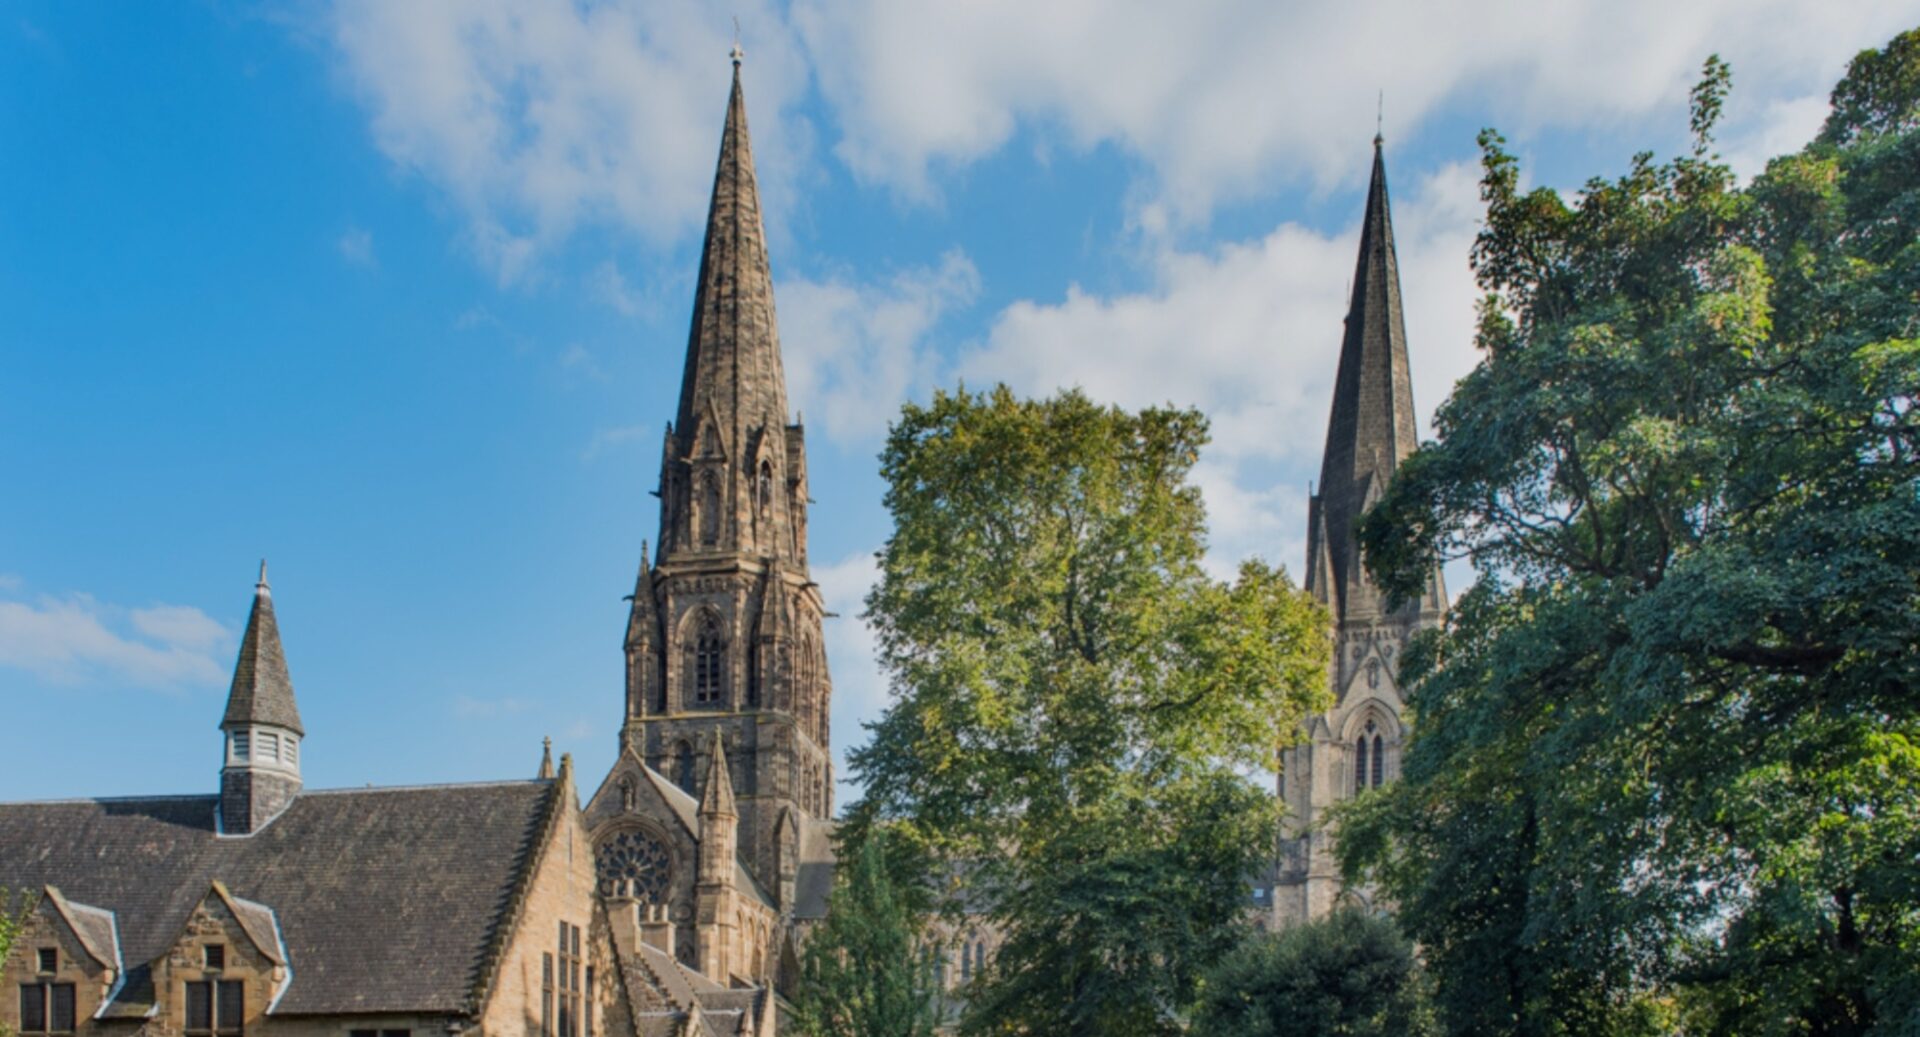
(709, 662)
(1369, 758)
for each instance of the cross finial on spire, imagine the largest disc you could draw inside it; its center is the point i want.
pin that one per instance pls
(737, 53)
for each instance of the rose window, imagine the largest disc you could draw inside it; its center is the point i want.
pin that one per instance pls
(639, 861)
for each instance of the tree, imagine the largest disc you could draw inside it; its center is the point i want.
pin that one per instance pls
(1666, 772)
(1075, 700)
(1351, 974)
(15, 909)
(867, 970)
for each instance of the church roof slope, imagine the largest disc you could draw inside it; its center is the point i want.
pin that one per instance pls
(387, 899)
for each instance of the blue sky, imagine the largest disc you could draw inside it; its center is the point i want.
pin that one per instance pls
(395, 295)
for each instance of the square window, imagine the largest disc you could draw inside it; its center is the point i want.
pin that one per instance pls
(216, 956)
(49, 959)
(363, 1033)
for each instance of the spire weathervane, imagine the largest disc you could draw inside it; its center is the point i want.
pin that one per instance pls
(737, 53)
(261, 587)
(1380, 118)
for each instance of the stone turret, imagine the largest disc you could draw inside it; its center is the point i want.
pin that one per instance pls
(715, 892)
(260, 772)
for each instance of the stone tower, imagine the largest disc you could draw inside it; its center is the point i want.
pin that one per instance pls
(1356, 744)
(724, 640)
(260, 773)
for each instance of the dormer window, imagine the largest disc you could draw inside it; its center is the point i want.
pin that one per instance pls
(216, 957)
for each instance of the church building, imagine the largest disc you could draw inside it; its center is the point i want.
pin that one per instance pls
(668, 906)
(1356, 744)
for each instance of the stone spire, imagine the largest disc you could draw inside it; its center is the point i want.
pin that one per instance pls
(716, 795)
(262, 693)
(261, 771)
(725, 628)
(1372, 427)
(733, 375)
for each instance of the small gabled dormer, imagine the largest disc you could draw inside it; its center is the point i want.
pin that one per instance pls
(65, 962)
(260, 772)
(224, 970)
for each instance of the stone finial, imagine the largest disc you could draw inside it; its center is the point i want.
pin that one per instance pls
(546, 759)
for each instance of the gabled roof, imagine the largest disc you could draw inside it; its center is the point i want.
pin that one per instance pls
(262, 693)
(387, 899)
(256, 921)
(93, 927)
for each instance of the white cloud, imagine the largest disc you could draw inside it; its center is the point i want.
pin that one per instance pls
(75, 640)
(1250, 333)
(1217, 99)
(579, 359)
(1779, 127)
(356, 246)
(538, 116)
(853, 351)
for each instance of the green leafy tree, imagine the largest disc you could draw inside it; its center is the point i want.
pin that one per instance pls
(1076, 700)
(1666, 773)
(1351, 974)
(866, 969)
(15, 909)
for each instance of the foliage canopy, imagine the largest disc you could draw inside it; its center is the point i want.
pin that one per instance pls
(1666, 772)
(1074, 700)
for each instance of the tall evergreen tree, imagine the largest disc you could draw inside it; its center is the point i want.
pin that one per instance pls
(868, 969)
(1074, 698)
(1666, 772)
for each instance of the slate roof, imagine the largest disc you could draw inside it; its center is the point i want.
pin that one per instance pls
(387, 899)
(813, 880)
(262, 693)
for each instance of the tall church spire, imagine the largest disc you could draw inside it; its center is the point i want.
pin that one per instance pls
(1372, 427)
(733, 374)
(725, 630)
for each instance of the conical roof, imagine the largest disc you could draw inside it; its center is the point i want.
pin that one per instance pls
(733, 371)
(716, 800)
(1372, 426)
(262, 692)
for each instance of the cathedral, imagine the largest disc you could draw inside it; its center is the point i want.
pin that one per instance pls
(674, 901)
(670, 905)
(1356, 744)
